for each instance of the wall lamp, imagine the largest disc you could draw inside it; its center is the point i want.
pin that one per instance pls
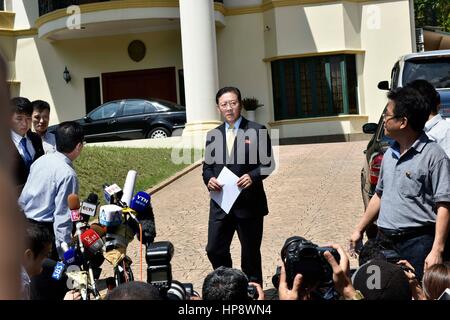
(66, 75)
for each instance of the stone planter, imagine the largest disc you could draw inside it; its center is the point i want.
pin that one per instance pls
(251, 115)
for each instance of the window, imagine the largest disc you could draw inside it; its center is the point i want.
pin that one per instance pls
(107, 111)
(133, 107)
(314, 87)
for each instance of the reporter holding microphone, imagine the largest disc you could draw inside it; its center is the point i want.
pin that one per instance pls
(52, 179)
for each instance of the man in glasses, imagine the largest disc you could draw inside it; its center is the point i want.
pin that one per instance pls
(412, 198)
(244, 147)
(28, 144)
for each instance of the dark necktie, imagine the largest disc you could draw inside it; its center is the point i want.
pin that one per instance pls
(26, 154)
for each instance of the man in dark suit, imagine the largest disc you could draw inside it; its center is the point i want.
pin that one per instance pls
(28, 144)
(243, 147)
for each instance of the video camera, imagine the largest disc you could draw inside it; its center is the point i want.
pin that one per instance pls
(302, 256)
(159, 272)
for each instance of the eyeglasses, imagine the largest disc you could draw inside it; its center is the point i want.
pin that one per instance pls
(391, 116)
(232, 103)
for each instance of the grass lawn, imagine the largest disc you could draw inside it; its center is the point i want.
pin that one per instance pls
(99, 165)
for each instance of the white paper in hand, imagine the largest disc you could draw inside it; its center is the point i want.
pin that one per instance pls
(230, 191)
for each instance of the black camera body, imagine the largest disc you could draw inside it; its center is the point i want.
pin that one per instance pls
(302, 256)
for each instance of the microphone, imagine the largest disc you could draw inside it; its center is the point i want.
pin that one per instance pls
(74, 205)
(128, 187)
(140, 202)
(92, 241)
(89, 206)
(110, 215)
(69, 254)
(112, 193)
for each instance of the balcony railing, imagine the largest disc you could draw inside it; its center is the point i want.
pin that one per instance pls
(46, 6)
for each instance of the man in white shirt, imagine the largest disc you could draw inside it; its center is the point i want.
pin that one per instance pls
(436, 128)
(40, 119)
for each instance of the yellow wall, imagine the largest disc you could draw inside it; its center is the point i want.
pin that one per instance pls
(240, 50)
(381, 32)
(40, 65)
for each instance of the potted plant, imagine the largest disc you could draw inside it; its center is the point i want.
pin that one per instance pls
(250, 105)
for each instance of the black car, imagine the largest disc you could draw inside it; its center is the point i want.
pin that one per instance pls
(132, 119)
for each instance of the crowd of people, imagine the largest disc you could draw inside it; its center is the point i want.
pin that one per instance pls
(408, 259)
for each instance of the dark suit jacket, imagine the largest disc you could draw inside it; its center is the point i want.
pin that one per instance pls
(20, 168)
(245, 158)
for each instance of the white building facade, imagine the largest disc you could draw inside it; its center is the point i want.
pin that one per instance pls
(313, 64)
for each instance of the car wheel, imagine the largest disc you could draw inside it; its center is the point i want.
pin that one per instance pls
(158, 133)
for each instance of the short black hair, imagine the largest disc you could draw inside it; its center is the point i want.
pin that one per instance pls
(37, 237)
(430, 94)
(224, 90)
(410, 104)
(68, 135)
(21, 105)
(225, 284)
(134, 290)
(40, 105)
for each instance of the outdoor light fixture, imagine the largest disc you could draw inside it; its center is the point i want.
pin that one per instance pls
(66, 75)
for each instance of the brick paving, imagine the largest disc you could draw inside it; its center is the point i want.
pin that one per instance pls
(315, 194)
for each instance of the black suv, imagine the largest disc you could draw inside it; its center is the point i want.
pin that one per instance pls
(132, 119)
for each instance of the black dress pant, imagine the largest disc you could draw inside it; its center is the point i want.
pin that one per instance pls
(220, 235)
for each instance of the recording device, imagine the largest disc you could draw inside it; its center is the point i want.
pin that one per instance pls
(112, 193)
(92, 241)
(128, 187)
(110, 215)
(445, 295)
(180, 291)
(74, 205)
(302, 256)
(140, 202)
(89, 207)
(159, 270)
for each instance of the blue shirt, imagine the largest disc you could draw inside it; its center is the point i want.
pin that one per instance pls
(438, 129)
(44, 197)
(411, 184)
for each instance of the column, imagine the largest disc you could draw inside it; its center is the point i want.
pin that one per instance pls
(198, 37)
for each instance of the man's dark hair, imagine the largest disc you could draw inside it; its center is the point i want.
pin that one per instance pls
(134, 290)
(37, 237)
(68, 135)
(40, 105)
(224, 90)
(225, 284)
(430, 94)
(21, 105)
(410, 104)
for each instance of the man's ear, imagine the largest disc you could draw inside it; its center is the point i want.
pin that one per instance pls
(28, 255)
(405, 123)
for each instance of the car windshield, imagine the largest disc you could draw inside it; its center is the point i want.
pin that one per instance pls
(163, 105)
(436, 71)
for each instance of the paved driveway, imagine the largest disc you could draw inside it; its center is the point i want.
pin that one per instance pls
(315, 194)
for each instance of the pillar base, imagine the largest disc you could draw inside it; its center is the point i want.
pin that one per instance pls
(200, 127)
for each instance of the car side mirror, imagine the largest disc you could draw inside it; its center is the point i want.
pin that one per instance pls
(87, 119)
(370, 128)
(383, 85)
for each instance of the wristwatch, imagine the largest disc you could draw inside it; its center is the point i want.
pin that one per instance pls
(358, 295)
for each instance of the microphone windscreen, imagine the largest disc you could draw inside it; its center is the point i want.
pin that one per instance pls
(74, 201)
(92, 198)
(92, 241)
(128, 187)
(101, 231)
(140, 202)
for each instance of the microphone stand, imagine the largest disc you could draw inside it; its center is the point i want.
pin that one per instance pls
(87, 265)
